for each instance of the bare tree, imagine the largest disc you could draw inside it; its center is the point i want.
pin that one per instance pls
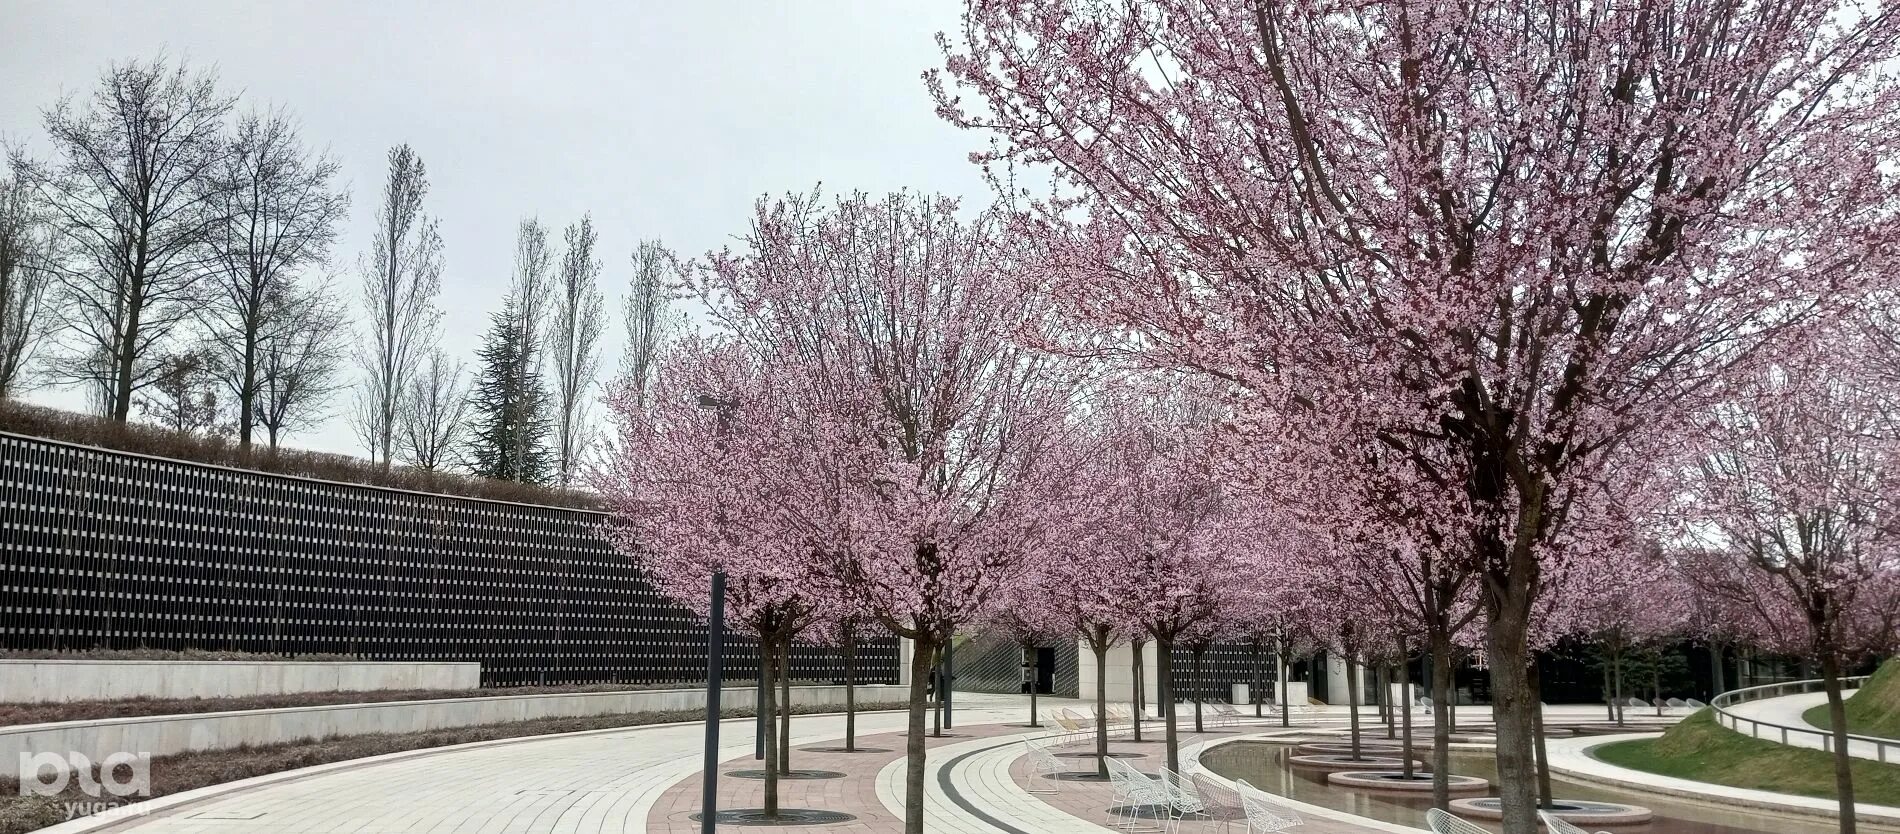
(280, 216)
(574, 338)
(183, 396)
(24, 251)
(534, 282)
(402, 274)
(434, 414)
(132, 195)
(648, 314)
(299, 357)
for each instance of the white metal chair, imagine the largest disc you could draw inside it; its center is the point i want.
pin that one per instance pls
(1557, 825)
(1264, 814)
(1042, 764)
(1191, 754)
(1133, 791)
(1443, 823)
(1222, 802)
(1676, 703)
(1183, 801)
(1693, 703)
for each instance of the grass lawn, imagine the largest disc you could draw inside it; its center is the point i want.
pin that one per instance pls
(1874, 710)
(1704, 751)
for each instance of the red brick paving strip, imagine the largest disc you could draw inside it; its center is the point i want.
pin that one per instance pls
(854, 794)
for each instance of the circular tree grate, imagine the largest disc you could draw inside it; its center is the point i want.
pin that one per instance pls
(786, 816)
(842, 750)
(790, 774)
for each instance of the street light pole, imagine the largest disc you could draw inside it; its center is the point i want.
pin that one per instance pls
(715, 640)
(715, 647)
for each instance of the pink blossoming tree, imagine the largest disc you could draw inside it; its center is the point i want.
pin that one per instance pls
(1531, 230)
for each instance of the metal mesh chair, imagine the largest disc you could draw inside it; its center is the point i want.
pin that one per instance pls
(1222, 803)
(1041, 764)
(1133, 791)
(1444, 823)
(1183, 801)
(1558, 826)
(1263, 814)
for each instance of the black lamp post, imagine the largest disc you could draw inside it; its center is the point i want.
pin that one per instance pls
(715, 646)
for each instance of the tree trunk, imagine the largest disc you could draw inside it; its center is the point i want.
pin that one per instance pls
(1405, 711)
(1609, 692)
(769, 726)
(1101, 707)
(1030, 655)
(1352, 702)
(1285, 671)
(1441, 719)
(1616, 658)
(1507, 637)
(1195, 652)
(1253, 694)
(1141, 690)
(1164, 658)
(850, 694)
(1718, 676)
(1384, 683)
(1837, 721)
(1536, 678)
(937, 687)
(922, 660)
(784, 675)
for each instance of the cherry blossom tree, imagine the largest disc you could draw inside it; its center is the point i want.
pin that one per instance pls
(1791, 499)
(718, 468)
(1497, 239)
(911, 331)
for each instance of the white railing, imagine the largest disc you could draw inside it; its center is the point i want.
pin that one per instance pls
(1885, 749)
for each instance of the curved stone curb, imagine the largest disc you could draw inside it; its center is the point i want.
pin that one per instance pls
(1346, 762)
(1581, 812)
(156, 805)
(1392, 780)
(1308, 809)
(1595, 771)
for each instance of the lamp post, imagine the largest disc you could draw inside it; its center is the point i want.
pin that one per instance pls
(715, 646)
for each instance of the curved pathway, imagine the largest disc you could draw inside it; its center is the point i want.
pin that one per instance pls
(1789, 710)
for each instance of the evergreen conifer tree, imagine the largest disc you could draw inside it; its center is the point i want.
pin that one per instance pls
(510, 406)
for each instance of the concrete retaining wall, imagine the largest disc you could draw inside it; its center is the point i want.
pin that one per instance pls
(163, 734)
(108, 680)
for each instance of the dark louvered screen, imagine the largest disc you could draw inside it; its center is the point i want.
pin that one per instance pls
(118, 551)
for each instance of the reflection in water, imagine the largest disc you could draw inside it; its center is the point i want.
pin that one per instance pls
(1263, 765)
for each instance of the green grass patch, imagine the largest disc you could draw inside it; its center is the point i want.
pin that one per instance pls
(1875, 708)
(1702, 750)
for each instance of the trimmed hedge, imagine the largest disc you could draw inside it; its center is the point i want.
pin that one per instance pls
(87, 430)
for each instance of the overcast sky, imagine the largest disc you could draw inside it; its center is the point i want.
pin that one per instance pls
(664, 119)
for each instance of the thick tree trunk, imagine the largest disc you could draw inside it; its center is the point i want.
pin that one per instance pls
(769, 726)
(1352, 702)
(1515, 710)
(1100, 648)
(922, 661)
(1441, 719)
(1536, 677)
(850, 695)
(1843, 760)
(1164, 658)
(785, 712)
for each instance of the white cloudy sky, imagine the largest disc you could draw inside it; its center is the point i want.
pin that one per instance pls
(664, 119)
